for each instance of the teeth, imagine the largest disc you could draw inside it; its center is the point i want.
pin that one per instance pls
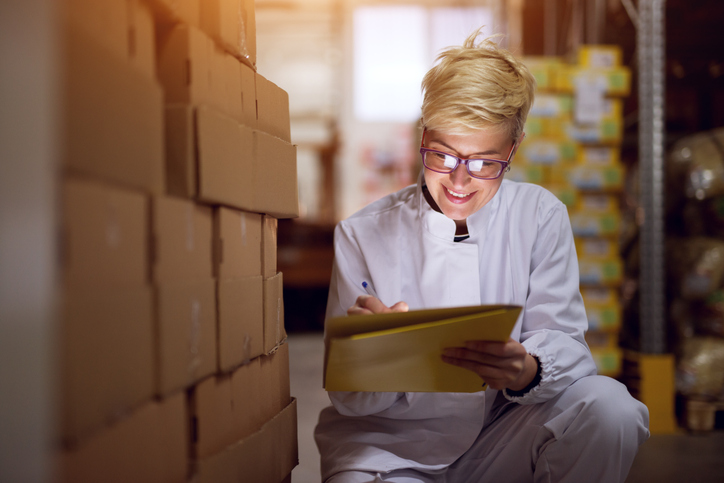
(458, 195)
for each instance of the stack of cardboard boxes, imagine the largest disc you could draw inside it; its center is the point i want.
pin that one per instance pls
(177, 163)
(574, 134)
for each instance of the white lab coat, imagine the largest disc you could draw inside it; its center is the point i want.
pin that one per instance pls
(520, 251)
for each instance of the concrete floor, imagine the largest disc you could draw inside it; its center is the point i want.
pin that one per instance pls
(662, 459)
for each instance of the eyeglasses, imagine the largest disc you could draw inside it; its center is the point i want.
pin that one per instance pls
(481, 168)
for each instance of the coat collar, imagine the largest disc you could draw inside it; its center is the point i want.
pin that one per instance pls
(440, 226)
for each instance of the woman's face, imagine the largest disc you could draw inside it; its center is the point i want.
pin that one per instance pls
(457, 194)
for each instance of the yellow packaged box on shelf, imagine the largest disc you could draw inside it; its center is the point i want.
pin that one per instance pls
(599, 203)
(600, 272)
(588, 224)
(603, 308)
(597, 339)
(548, 151)
(526, 173)
(608, 131)
(596, 178)
(608, 360)
(567, 194)
(596, 248)
(600, 155)
(552, 105)
(603, 56)
(615, 81)
(544, 70)
(546, 127)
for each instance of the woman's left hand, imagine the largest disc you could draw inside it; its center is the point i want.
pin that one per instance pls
(502, 365)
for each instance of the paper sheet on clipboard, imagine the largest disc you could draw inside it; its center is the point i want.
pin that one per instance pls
(400, 352)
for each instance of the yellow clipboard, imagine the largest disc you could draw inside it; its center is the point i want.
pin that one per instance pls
(400, 352)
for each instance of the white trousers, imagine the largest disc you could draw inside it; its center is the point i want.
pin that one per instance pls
(590, 432)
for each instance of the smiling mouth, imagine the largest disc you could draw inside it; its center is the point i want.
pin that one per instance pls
(458, 195)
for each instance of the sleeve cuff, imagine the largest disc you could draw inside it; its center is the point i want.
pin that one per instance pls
(517, 395)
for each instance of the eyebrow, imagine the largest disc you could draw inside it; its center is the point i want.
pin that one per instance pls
(483, 153)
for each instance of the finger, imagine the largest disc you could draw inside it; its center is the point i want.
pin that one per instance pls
(509, 364)
(510, 348)
(357, 310)
(400, 307)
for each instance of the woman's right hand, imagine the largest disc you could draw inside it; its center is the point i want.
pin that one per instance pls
(367, 304)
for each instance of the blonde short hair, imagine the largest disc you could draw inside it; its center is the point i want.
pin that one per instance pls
(477, 87)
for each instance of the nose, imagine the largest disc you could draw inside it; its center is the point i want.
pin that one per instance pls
(460, 177)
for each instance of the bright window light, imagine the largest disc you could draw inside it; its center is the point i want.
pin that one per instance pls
(393, 48)
(451, 26)
(390, 59)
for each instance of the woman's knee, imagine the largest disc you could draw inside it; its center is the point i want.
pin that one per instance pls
(609, 403)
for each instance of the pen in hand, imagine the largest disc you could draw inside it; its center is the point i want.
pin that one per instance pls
(368, 288)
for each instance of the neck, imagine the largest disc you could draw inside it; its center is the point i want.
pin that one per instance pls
(461, 227)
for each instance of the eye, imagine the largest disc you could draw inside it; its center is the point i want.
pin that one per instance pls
(476, 164)
(450, 161)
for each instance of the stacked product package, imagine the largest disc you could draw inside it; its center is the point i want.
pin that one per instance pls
(177, 163)
(572, 147)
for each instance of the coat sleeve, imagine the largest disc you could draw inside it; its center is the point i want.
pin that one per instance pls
(348, 272)
(554, 319)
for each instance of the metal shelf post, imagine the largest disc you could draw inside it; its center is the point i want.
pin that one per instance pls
(650, 43)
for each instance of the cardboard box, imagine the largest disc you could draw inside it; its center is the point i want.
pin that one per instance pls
(112, 116)
(248, 50)
(177, 11)
(231, 90)
(225, 22)
(105, 235)
(185, 334)
(272, 105)
(275, 176)
(181, 170)
(106, 23)
(240, 321)
(141, 37)
(150, 445)
(248, 95)
(238, 243)
(269, 246)
(106, 356)
(268, 455)
(275, 372)
(185, 65)
(227, 408)
(274, 331)
(181, 234)
(209, 157)
(225, 160)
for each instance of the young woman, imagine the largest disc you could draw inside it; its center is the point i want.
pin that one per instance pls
(463, 236)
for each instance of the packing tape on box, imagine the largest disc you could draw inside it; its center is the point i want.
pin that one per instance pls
(195, 337)
(243, 230)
